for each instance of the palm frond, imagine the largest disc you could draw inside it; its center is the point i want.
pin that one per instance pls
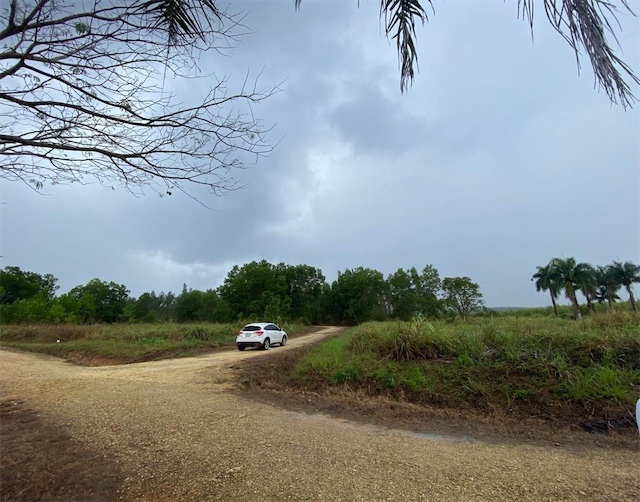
(182, 19)
(585, 24)
(400, 17)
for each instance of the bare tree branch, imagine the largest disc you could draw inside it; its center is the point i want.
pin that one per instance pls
(82, 98)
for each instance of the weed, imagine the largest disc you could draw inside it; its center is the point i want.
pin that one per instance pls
(534, 365)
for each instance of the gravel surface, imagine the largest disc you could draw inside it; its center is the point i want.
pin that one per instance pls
(178, 435)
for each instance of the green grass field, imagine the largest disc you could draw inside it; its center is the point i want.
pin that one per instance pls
(125, 343)
(532, 366)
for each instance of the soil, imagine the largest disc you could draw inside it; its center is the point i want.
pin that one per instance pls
(41, 462)
(183, 429)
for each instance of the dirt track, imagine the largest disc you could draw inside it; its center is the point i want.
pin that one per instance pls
(178, 435)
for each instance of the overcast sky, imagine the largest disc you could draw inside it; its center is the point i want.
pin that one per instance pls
(499, 158)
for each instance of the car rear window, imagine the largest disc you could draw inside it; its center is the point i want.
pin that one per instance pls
(251, 327)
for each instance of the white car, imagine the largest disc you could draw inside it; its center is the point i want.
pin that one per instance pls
(260, 334)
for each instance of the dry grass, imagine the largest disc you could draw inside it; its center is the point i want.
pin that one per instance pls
(100, 344)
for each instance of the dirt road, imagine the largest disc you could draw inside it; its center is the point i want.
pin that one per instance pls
(178, 435)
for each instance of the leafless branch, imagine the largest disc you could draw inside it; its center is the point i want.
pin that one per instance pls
(82, 99)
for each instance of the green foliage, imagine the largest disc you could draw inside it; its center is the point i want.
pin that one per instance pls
(261, 290)
(98, 301)
(358, 295)
(411, 293)
(516, 363)
(545, 281)
(251, 289)
(193, 305)
(462, 295)
(599, 283)
(279, 293)
(81, 28)
(626, 274)
(16, 284)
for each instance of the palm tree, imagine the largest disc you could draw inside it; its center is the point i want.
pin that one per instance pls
(588, 284)
(607, 287)
(545, 282)
(626, 274)
(571, 276)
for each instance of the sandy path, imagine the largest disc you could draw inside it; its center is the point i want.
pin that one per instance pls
(179, 436)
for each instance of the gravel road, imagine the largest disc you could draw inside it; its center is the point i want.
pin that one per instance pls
(179, 435)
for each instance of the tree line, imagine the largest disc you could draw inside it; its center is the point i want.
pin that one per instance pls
(599, 284)
(256, 290)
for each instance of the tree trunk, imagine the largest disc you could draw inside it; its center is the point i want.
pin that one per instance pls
(631, 298)
(553, 302)
(610, 305)
(571, 293)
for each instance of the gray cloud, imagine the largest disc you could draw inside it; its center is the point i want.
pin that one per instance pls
(498, 158)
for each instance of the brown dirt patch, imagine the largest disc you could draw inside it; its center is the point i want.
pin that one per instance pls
(39, 461)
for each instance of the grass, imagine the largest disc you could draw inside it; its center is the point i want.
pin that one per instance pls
(125, 343)
(564, 311)
(542, 367)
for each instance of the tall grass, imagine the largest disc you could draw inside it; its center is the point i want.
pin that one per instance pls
(564, 311)
(526, 364)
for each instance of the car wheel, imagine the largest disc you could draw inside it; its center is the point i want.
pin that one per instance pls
(266, 344)
(241, 347)
(284, 341)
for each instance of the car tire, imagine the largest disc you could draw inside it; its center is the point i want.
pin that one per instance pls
(266, 344)
(241, 348)
(284, 341)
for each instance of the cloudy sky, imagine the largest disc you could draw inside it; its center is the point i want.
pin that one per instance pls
(499, 157)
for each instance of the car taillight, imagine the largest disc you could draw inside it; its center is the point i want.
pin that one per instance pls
(240, 332)
(258, 333)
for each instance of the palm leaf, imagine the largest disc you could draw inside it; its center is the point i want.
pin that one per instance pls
(585, 24)
(180, 18)
(400, 18)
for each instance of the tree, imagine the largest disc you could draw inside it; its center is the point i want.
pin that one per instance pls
(588, 284)
(626, 274)
(359, 295)
(571, 276)
(147, 306)
(403, 295)
(250, 290)
(99, 301)
(462, 294)
(16, 284)
(82, 96)
(428, 286)
(544, 281)
(304, 287)
(167, 305)
(411, 293)
(607, 286)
